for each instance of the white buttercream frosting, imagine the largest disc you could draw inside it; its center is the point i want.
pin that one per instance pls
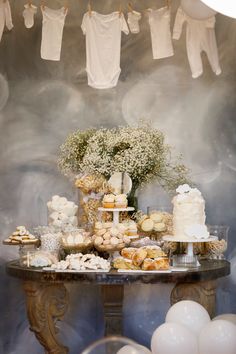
(189, 213)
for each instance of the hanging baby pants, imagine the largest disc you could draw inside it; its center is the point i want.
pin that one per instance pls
(200, 36)
(5, 17)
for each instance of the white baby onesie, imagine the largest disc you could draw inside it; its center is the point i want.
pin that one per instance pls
(159, 21)
(103, 45)
(200, 36)
(28, 14)
(133, 21)
(52, 31)
(5, 16)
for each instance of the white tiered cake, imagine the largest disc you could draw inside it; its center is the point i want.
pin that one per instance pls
(189, 214)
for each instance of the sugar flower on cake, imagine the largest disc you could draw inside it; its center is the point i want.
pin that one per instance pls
(183, 188)
(197, 231)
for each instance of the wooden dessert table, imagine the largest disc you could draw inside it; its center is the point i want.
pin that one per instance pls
(47, 298)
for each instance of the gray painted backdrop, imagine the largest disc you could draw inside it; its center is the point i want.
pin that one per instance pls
(42, 101)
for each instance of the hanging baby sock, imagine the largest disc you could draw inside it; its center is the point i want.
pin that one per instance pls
(52, 31)
(5, 16)
(159, 21)
(103, 45)
(133, 21)
(28, 14)
(200, 36)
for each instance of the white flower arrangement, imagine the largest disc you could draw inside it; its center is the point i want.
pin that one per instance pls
(139, 151)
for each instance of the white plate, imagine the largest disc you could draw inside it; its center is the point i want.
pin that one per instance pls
(116, 209)
(189, 240)
(48, 269)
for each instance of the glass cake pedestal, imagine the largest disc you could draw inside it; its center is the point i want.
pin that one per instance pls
(189, 259)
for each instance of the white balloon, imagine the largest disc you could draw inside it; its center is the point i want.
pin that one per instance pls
(190, 314)
(197, 10)
(138, 349)
(227, 317)
(226, 7)
(218, 337)
(173, 338)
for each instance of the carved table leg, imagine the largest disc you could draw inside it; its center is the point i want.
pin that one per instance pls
(202, 292)
(46, 303)
(112, 304)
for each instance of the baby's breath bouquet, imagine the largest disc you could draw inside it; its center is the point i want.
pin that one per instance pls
(140, 151)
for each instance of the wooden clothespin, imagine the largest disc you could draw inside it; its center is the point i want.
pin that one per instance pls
(66, 6)
(89, 8)
(43, 5)
(130, 8)
(120, 10)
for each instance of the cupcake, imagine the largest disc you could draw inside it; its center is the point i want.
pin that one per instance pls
(121, 201)
(108, 201)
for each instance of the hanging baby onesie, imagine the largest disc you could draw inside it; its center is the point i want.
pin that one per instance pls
(159, 21)
(5, 16)
(200, 36)
(28, 14)
(52, 31)
(133, 21)
(103, 44)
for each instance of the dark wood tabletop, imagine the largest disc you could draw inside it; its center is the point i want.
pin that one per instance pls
(209, 270)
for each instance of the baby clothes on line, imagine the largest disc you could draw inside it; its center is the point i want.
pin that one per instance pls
(159, 21)
(103, 45)
(133, 21)
(52, 32)
(28, 14)
(5, 16)
(200, 36)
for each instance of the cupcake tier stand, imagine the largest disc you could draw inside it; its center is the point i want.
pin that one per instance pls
(116, 219)
(116, 212)
(189, 259)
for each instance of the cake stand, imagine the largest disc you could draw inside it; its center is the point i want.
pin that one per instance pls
(116, 212)
(116, 219)
(189, 259)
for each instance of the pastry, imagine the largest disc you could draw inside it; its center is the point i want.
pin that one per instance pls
(128, 252)
(156, 217)
(121, 201)
(139, 256)
(98, 240)
(108, 201)
(21, 236)
(159, 227)
(110, 237)
(114, 241)
(123, 263)
(155, 264)
(154, 252)
(147, 225)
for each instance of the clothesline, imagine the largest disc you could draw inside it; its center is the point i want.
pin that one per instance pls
(103, 38)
